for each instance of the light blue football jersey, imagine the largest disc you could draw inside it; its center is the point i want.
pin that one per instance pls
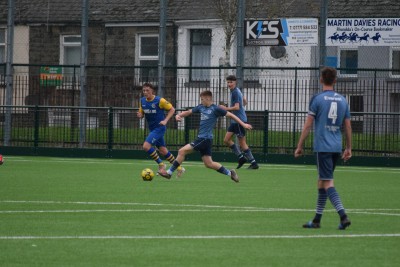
(329, 110)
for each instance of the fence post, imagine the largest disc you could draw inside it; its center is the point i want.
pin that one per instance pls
(186, 129)
(110, 128)
(295, 109)
(266, 129)
(374, 115)
(36, 129)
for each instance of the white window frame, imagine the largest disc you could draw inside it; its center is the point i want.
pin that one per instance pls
(64, 44)
(200, 72)
(392, 49)
(340, 49)
(139, 56)
(4, 44)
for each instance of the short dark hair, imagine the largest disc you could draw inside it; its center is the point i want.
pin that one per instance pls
(231, 78)
(149, 85)
(206, 93)
(328, 75)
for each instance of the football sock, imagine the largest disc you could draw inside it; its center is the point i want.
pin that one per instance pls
(174, 166)
(249, 156)
(224, 170)
(236, 150)
(153, 154)
(335, 200)
(321, 202)
(170, 157)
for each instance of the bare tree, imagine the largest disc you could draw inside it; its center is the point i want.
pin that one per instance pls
(226, 11)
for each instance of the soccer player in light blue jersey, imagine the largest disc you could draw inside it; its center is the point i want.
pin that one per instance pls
(330, 111)
(153, 108)
(209, 114)
(237, 104)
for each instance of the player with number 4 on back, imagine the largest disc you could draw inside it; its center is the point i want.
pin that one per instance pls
(330, 112)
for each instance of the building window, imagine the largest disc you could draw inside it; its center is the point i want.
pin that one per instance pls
(395, 61)
(148, 58)
(348, 61)
(70, 54)
(356, 104)
(200, 54)
(2, 50)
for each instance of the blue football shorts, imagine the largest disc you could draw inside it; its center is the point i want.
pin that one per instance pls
(156, 137)
(237, 129)
(326, 163)
(202, 145)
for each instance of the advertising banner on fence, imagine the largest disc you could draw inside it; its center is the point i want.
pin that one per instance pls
(363, 32)
(281, 32)
(50, 76)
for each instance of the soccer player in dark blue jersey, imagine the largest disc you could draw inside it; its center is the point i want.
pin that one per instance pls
(153, 108)
(237, 104)
(330, 111)
(209, 114)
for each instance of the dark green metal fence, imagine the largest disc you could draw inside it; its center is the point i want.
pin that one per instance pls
(275, 132)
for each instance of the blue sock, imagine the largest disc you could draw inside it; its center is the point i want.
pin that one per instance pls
(153, 154)
(224, 170)
(236, 150)
(249, 156)
(321, 202)
(335, 200)
(174, 166)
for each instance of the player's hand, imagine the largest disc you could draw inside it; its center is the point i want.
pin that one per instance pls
(139, 114)
(346, 154)
(298, 152)
(163, 123)
(178, 117)
(248, 126)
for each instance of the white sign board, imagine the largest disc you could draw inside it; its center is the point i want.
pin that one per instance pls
(281, 32)
(363, 31)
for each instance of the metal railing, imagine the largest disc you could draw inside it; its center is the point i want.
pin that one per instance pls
(276, 132)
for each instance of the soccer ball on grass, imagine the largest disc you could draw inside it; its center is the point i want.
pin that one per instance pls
(147, 174)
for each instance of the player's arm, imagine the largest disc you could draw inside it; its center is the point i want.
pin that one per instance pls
(183, 114)
(234, 107)
(347, 131)
(140, 113)
(244, 101)
(304, 133)
(164, 104)
(235, 118)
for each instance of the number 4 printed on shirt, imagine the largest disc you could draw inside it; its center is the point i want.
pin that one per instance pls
(333, 112)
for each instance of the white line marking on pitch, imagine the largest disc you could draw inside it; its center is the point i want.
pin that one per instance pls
(185, 210)
(204, 237)
(217, 208)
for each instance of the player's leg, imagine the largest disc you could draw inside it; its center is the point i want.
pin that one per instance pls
(209, 163)
(183, 151)
(247, 152)
(168, 156)
(330, 165)
(320, 206)
(151, 142)
(232, 130)
(326, 163)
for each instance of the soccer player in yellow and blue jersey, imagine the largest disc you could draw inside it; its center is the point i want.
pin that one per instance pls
(330, 112)
(153, 108)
